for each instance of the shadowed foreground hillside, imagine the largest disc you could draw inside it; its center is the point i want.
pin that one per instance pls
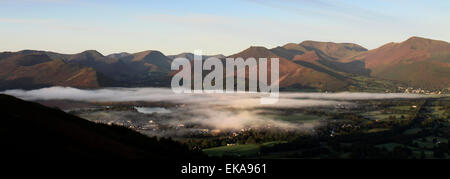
(33, 131)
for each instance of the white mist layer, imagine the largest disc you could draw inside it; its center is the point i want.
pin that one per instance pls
(153, 110)
(165, 94)
(217, 111)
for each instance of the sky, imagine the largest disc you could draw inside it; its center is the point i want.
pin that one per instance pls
(213, 26)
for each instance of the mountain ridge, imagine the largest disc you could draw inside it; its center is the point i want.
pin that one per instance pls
(417, 61)
(293, 74)
(420, 62)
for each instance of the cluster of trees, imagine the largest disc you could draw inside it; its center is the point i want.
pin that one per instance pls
(245, 137)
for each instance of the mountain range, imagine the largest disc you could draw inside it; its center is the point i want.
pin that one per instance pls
(309, 65)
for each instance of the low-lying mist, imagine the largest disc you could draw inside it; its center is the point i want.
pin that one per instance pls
(211, 111)
(165, 94)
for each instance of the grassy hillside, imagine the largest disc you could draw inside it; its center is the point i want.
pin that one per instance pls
(38, 70)
(293, 75)
(419, 62)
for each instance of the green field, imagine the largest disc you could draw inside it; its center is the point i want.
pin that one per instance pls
(390, 146)
(402, 108)
(369, 84)
(437, 111)
(299, 117)
(377, 130)
(378, 115)
(428, 143)
(412, 131)
(241, 150)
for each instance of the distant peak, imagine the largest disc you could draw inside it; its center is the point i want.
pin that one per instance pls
(218, 56)
(294, 46)
(26, 51)
(290, 44)
(336, 50)
(186, 53)
(420, 43)
(118, 55)
(257, 48)
(417, 38)
(121, 53)
(312, 42)
(254, 51)
(92, 52)
(148, 52)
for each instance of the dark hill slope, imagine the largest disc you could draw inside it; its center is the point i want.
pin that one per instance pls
(33, 131)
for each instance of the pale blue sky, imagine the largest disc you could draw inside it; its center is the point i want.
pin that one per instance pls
(176, 26)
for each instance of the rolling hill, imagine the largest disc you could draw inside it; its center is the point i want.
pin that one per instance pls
(88, 69)
(327, 50)
(113, 68)
(334, 50)
(151, 60)
(190, 56)
(324, 56)
(296, 75)
(118, 55)
(419, 62)
(39, 70)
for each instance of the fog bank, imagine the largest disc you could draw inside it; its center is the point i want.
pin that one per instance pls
(214, 111)
(166, 95)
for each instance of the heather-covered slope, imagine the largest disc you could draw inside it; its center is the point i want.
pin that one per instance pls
(417, 61)
(295, 75)
(34, 69)
(151, 60)
(328, 50)
(324, 56)
(39, 70)
(114, 69)
(334, 50)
